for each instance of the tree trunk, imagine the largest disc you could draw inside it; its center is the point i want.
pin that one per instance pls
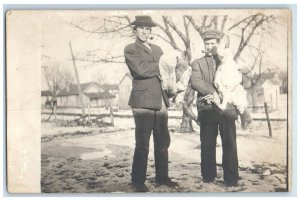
(186, 124)
(245, 119)
(188, 116)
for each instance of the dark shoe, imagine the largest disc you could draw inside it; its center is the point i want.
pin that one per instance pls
(167, 182)
(140, 188)
(233, 187)
(231, 184)
(208, 180)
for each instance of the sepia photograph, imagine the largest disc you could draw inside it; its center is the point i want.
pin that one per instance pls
(149, 101)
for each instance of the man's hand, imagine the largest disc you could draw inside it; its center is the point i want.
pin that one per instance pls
(208, 98)
(216, 98)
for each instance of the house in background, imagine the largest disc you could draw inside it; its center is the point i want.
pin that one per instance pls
(113, 89)
(45, 97)
(92, 94)
(265, 89)
(125, 86)
(283, 75)
(284, 85)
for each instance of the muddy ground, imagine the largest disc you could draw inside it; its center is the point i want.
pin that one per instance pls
(95, 160)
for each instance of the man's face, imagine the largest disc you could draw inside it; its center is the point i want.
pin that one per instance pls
(209, 44)
(142, 33)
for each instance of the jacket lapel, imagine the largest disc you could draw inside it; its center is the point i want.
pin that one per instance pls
(154, 52)
(140, 45)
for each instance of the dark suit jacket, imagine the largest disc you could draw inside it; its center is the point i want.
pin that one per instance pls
(202, 79)
(143, 65)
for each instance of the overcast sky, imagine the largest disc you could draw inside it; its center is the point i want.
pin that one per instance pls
(57, 32)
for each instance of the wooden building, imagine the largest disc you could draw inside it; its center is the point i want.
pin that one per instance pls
(125, 86)
(265, 89)
(92, 94)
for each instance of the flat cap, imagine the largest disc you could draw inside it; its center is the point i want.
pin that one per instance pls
(212, 34)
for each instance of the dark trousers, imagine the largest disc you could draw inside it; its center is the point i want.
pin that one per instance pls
(146, 121)
(210, 122)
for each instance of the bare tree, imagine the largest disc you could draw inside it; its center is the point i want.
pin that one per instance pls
(99, 78)
(54, 75)
(248, 26)
(68, 79)
(57, 78)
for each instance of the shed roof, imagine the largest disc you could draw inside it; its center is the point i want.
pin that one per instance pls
(126, 75)
(73, 90)
(45, 93)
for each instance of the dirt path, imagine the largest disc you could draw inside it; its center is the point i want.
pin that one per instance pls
(102, 163)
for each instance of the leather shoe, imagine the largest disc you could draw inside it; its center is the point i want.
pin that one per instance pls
(208, 180)
(140, 188)
(167, 182)
(231, 184)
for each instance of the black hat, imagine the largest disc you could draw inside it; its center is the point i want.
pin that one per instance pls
(144, 21)
(212, 34)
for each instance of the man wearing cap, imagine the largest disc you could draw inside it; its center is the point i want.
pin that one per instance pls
(210, 118)
(148, 102)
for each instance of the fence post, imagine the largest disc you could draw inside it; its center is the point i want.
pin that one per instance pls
(89, 106)
(268, 119)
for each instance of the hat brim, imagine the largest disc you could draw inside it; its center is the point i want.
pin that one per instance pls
(143, 24)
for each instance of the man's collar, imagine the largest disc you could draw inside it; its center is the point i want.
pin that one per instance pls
(140, 44)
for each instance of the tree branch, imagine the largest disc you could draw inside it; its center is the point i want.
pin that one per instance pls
(164, 39)
(199, 29)
(107, 31)
(175, 28)
(244, 42)
(99, 60)
(240, 22)
(167, 31)
(223, 23)
(215, 22)
(187, 41)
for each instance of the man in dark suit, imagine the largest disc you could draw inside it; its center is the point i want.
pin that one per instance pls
(149, 106)
(210, 118)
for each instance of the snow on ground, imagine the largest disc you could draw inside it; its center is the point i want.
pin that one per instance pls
(281, 112)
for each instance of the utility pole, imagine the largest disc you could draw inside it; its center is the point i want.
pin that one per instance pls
(77, 78)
